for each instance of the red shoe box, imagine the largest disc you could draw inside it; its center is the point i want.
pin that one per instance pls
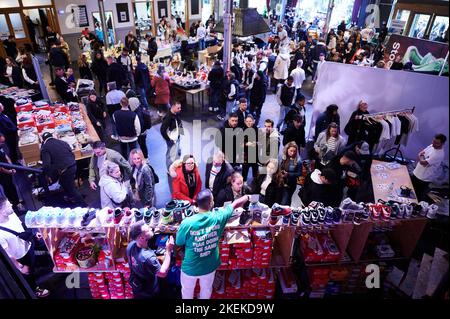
(61, 108)
(24, 124)
(23, 108)
(44, 107)
(45, 125)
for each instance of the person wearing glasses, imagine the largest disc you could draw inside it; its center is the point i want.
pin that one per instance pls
(186, 183)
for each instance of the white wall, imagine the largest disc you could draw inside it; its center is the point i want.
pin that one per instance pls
(91, 6)
(386, 90)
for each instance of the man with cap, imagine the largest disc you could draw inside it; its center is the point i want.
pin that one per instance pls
(58, 163)
(200, 236)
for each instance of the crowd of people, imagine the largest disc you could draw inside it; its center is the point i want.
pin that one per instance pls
(275, 152)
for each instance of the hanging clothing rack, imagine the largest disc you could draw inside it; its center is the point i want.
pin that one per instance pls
(386, 113)
(396, 149)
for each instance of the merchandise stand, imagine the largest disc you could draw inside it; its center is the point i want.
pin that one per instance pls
(254, 256)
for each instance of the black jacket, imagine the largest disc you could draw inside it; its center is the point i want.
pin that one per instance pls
(95, 110)
(152, 48)
(57, 57)
(292, 134)
(17, 76)
(216, 78)
(115, 73)
(221, 179)
(56, 155)
(356, 128)
(99, 67)
(141, 76)
(10, 48)
(322, 193)
(258, 92)
(237, 71)
(62, 87)
(169, 123)
(220, 140)
(241, 117)
(274, 193)
(226, 195)
(323, 121)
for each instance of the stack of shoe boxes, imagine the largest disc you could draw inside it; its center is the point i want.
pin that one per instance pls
(111, 285)
(224, 251)
(318, 278)
(244, 284)
(262, 248)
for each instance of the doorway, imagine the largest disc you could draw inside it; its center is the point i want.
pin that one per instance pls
(109, 25)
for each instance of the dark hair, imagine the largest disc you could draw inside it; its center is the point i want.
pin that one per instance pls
(136, 229)
(297, 118)
(441, 137)
(290, 78)
(233, 114)
(329, 174)
(300, 97)
(351, 155)
(204, 199)
(186, 157)
(269, 121)
(98, 144)
(332, 107)
(58, 69)
(242, 100)
(330, 126)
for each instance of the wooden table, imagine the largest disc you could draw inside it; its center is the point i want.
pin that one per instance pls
(386, 182)
(31, 152)
(200, 92)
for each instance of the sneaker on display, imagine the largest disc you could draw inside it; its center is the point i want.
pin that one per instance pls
(432, 211)
(424, 208)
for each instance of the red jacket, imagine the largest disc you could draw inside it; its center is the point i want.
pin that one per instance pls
(162, 89)
(180, 188)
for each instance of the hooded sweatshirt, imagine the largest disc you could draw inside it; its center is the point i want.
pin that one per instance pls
(112, 192)
(281, 66)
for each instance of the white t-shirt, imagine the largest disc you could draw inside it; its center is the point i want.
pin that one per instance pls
(430, 172)
(299, 76)
(284, 39)
(101, 169)
(14, 246)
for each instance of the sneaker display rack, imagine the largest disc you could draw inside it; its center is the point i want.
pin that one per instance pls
(312, 249)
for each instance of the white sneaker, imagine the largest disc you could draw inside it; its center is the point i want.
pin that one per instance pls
(310, 101)
(211, 109)
(114, 137)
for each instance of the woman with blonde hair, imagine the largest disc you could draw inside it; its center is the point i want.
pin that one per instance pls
(290, 169)
(143, 178)
(234, 190)
(114, 192)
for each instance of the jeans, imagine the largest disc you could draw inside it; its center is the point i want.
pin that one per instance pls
(314, 72)
(201, 44)
(130, 78)
(287, 194)
(67, 182)
(283, 111)
(420, 188)
(142, 141)
(142, 91)
(125, 148)
(188, 285)
(215, 98)
(173, 151)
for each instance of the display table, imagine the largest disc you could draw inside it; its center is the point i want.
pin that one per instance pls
(200, 93)
(387, 178)
(31, 152)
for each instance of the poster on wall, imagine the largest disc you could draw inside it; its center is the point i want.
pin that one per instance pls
(123, 15)
(162, 9)
(80, 17)
(424, 56)
(195, 7)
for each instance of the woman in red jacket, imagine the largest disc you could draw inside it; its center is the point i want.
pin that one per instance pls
(187, 183)
(161, 84)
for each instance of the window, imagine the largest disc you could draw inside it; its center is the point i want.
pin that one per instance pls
(16, 23)
(4, 30)
(403, 15)
(439, 28)
(4, 4)
(32, 3)
(419, 25)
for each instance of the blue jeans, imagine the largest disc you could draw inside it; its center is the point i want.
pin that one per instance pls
(201, 44)
(283, 112)
(173, 151)
(142, 91)
(230, 106)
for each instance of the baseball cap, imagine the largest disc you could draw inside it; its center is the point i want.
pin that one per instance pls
(364, 149)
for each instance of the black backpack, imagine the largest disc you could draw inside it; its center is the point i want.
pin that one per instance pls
(155, 176)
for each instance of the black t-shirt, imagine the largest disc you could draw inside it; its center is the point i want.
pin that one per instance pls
(144, 266)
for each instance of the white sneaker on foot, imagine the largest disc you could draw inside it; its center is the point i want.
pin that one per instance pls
(114, 137)
(310, 101)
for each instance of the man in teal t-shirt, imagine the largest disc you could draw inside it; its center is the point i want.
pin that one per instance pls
(200, 234)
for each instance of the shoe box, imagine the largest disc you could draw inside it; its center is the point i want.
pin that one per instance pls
(244, 284)
(317, 248)
(111, 285)
(318, 277)
(244, 249)
(27, 107)
(288, 281)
